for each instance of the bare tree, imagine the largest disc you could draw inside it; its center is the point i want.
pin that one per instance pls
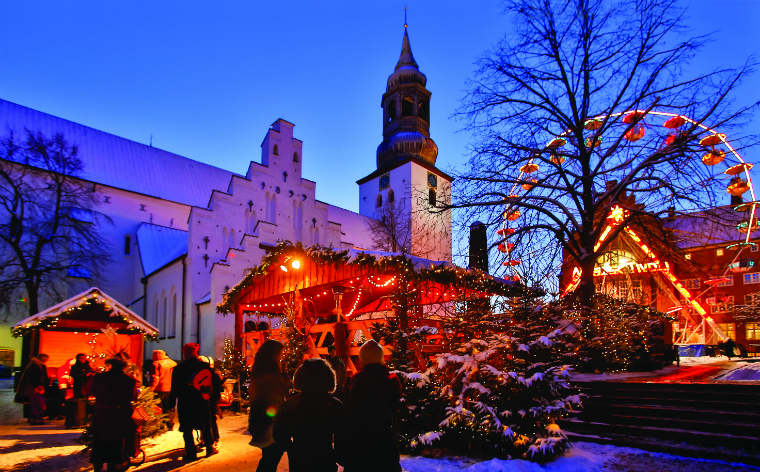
(48, 231)
(570, 115)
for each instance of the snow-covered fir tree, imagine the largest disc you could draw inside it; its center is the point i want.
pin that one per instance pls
(504, 388)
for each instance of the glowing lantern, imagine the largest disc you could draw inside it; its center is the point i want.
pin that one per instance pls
(738, 168)
(593, 142)
(512, 263)
(633, 117)
(529, 168)
(506, 247)
(529, 184)
(513, 215)
(593, 124)
(669, 139)
(505, 231)
(712, 140)
(713, 157)
(737, 187)
(557, 159)
(556, 142)
(675, 122)
(635, 133)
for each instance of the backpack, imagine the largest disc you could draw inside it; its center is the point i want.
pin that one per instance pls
(203, 383)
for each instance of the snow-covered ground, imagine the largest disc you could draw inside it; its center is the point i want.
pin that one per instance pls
(51, 448)
(742, 371)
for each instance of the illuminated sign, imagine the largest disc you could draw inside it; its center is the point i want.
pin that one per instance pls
(632, 268)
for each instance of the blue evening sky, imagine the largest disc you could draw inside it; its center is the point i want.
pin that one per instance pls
(206, 79)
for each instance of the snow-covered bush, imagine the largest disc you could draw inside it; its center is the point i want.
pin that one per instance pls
(503, 387)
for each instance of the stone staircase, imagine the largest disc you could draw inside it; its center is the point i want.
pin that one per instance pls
(716, 421)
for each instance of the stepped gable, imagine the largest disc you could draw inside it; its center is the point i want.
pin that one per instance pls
(118, 162)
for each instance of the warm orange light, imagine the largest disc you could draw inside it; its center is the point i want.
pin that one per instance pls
(296, 264)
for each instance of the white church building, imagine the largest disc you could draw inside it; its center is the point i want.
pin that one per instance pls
(182, 232)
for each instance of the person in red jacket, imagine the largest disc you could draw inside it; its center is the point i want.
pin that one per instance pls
(368, 442)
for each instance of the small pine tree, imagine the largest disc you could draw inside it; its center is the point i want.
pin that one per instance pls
(296, 342)
(505, 389)
(233, 367)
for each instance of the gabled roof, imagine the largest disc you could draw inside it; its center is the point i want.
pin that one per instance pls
(713, 226)
(119, 310)
(159, 246)
(118, 162)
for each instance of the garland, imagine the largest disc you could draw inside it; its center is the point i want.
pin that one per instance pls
(472, 279)
(91, 304)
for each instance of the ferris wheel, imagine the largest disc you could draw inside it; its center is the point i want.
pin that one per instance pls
(721, 160)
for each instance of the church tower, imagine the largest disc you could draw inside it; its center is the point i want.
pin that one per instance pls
(407, 190)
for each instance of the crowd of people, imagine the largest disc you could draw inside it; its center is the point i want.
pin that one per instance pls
(320, 419)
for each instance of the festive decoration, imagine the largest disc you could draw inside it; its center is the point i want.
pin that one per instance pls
(233, 367)
(92, 304)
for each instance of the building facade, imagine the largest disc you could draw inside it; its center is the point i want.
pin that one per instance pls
(181, 232)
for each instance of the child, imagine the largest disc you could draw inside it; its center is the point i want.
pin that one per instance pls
(368, 438)
(37, 407)
(308, 422)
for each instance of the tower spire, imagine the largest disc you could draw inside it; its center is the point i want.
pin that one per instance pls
(406, 58)
(405, 23)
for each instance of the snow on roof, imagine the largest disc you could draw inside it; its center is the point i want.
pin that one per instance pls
(159, 245)
(76, 300)
(118, 162)
(714, 226)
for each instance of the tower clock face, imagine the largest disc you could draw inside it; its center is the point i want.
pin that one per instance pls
(432, 180)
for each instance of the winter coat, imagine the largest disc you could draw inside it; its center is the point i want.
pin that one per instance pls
(267, 392)
(367, 441)
(114, 393)
(35, 374)
(79, 373)
(162, 375)
(193, 389)
(305, 427)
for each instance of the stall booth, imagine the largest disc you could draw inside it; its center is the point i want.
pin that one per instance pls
(340, 297)
(91, 323)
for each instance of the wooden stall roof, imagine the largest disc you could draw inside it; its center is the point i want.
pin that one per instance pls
(365, 278)
(131, 318)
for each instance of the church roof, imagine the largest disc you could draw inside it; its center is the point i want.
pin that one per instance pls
(159, 246)
(118, 162)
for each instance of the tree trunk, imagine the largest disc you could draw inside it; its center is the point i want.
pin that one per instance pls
(587, 288)
(32, 299)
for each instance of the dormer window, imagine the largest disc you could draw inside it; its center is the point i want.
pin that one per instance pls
(275, 151)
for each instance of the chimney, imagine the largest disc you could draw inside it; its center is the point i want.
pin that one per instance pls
(478, 247)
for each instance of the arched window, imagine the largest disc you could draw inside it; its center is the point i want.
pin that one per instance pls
(272, 210)
(391, 196)
(295, 157)
(154, 318)
(250, 220)
(407, 106)
(275, 151)
(171, 325)
(379, 201)
(162, 320)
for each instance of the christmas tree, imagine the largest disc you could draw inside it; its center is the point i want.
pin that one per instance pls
(296, 341)
(505, 388)
(233, 367)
